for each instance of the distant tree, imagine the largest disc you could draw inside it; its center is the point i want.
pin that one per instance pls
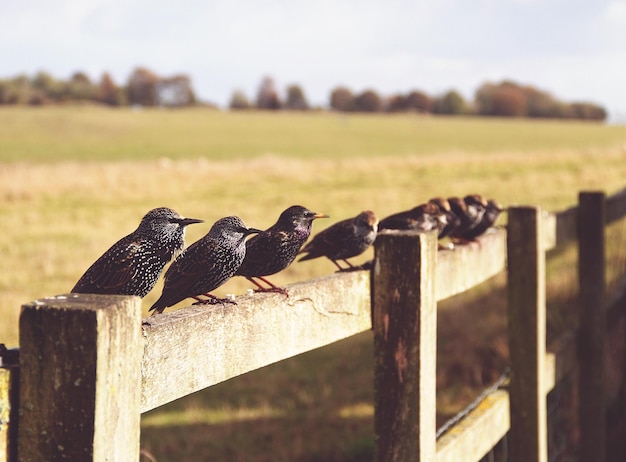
(368, 101)
(108, 92)
(342, 99)
(239, 100)
(80, 87)
(141, 87)
(419, 101)
(540, 103)
(451, 103)
(397, 103)
(50, 87)
(510, 101)
(175, 91)
(296, 99)
(267, 96)
(586, 111)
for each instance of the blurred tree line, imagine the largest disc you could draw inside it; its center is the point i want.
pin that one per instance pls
(145, 88)
(505, 99)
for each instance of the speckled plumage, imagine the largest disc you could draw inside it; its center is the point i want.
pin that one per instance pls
(345, 239)
(206, 264)
(133, 264)
(424, 217)
(276, 248)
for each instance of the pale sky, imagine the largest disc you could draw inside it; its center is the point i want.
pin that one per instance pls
(575, 49)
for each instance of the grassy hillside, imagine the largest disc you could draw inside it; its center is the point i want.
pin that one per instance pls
(74, 180)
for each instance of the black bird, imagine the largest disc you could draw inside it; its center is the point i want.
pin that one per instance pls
(452, 221)
(276, 248)
(206, 264)
(345, 239)
(470, 209)
(491, 214)
(133, 264)
(424, 217)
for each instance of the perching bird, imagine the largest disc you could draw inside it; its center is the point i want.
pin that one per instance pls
(467, 214)
(491, 214)
(206, 264)
(452, 221)
(133, 264)
(424, 217)
(345, 239)
(276, 248)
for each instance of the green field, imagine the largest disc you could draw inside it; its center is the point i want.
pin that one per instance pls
(74, 180)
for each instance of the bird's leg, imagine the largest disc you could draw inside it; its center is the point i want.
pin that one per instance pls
(350, 267)
(212, 300)
(271, 288)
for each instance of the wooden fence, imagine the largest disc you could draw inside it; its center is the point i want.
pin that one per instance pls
(88, 366)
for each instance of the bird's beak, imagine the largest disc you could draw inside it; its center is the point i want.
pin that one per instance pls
(320, 215)
(189, 221)
(253, 231)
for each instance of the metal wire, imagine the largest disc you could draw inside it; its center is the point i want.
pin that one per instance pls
(474, 404)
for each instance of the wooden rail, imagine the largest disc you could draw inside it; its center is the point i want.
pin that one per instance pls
(89, 366)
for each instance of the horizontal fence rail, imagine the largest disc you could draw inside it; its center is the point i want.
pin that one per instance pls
(196, 347)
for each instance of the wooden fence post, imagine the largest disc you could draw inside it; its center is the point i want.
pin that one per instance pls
(592, 325)
(9, 376)
(80, 376)
(405, 339)
(527, 335)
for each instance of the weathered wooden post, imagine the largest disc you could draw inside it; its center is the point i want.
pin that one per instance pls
(9, 376)
(592, 325)
(80, 366)
(405, 339)
(527, 335)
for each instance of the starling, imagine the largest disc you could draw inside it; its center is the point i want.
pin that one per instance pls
(424, 217)
(276, 248)
(206, 264)
(345, 239)
(133, 264)
(452, 221)
(470, 210)
(491, 214)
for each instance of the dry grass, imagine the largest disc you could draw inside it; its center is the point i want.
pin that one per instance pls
(59, 217)
(61, 212)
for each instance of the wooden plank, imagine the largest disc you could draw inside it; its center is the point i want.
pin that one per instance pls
(79, 371)
(527, 335)
(405, 344)
(468, 265)
(560, 228)
(560, 360)
(592, 325)
(193, 348)
(616, 207)
(483, 427)
(477, 433)
(9, 375)
(616, 307)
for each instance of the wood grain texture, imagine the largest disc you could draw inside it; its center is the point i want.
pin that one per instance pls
(405, 345)
(527, 335)
(196, 347)
(8, 413)
(79, 371)
(468, 265)
(476, 434)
